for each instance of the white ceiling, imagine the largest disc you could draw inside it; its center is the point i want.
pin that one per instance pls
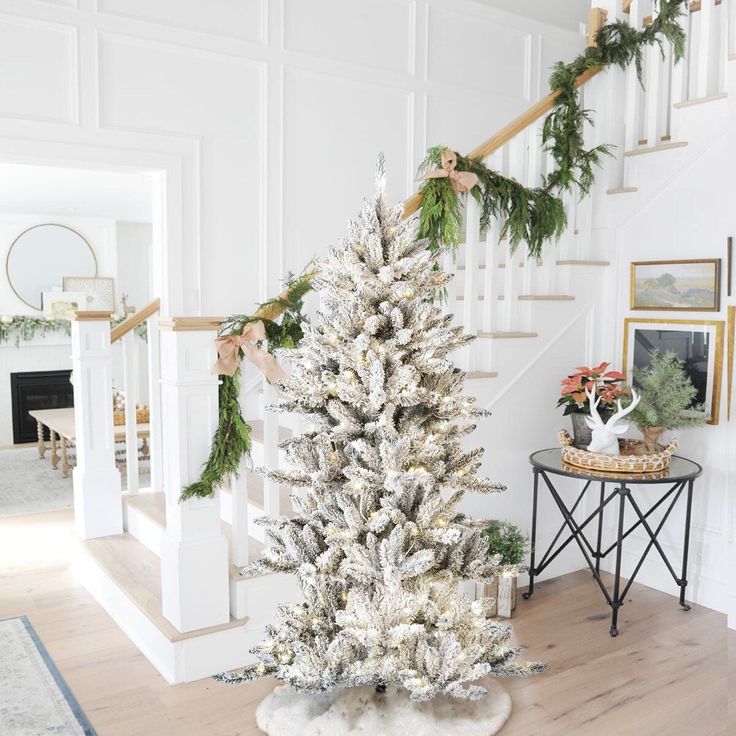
(565, 13)
(50, 190)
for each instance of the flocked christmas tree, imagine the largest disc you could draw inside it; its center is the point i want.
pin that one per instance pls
(378, 546)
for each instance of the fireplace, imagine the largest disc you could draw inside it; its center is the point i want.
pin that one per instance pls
(37, 390)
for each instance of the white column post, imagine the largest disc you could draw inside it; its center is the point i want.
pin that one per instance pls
(98, 510)
(194, 552)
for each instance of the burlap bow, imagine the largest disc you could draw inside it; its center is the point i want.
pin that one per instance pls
(462, 181)
(229, 346)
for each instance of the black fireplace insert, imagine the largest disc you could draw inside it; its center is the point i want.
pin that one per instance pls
(37, 390)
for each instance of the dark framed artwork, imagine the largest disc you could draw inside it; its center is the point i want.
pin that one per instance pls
(697, 343)
(682, 286)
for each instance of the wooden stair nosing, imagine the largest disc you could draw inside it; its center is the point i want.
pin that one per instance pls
(530, 297)
(701, 100)
(472, 375)
(622, 190)
(136, 572)
(656, 149)
(582, 262)
(257, 430)
(506, 335)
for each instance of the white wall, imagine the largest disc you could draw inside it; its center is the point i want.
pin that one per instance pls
(266, 117)
(134, 275)
(690, 217)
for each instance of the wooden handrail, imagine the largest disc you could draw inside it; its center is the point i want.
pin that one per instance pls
(135, 319)
(508, 132)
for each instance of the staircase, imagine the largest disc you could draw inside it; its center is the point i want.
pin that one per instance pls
(168, 572)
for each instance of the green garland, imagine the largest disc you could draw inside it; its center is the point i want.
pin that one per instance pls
(232, 439)
(23, 328)
(536, 215)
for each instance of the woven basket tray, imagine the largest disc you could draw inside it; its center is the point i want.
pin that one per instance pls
(627, 462)
(142, 415)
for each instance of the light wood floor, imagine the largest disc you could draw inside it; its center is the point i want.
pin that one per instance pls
(666, 673)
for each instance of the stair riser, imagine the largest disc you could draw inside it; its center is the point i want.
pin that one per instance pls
(226, 513)
(257, 598)
(145, 530)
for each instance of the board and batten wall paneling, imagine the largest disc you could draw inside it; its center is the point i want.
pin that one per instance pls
(376, 34)
(240, 19)
(329, 173)
(267, 115)
(38, 70)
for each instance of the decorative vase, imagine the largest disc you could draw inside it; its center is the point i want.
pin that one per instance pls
(651, 438)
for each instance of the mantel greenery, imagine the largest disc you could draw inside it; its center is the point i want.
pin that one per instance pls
(536, 215)
(23, 328)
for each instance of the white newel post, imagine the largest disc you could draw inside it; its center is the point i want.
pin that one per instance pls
(194, 552)
(98, 510)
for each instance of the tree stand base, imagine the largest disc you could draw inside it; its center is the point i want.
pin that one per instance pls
(361, 711)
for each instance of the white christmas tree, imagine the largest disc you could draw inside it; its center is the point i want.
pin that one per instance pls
(378, 544)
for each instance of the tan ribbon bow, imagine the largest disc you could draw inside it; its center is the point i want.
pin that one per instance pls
(229, 346)
(462, 181)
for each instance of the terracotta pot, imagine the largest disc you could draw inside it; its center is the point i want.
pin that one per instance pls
(651, 438)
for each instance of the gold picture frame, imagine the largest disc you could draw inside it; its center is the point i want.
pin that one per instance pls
(697, 286)
(714, 368)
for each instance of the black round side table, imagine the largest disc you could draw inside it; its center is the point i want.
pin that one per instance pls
(681, 474)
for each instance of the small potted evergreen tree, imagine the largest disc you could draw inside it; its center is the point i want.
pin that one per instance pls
(508, 542)
(667, 399)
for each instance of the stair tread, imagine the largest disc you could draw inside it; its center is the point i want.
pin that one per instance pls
(256, 431)
(654, 149)
(254, 483)
(701, 100)
(582, 262)
(622, 190)
(136, 571)
(504, 335)
(532, 297)
(481, 374)
(153, 505)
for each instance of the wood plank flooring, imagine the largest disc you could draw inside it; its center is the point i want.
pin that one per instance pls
(667, 672)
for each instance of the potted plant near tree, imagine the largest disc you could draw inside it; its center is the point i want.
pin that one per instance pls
(508, 542)
(572, 397)
(667, 396)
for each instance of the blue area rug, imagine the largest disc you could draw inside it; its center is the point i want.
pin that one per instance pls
(34, 699)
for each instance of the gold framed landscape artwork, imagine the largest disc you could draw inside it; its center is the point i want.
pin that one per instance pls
(690, 285)
(697, 343)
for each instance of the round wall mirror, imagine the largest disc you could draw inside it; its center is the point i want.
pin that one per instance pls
(41, 256)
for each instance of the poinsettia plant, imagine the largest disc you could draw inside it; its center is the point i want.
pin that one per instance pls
(607, 386)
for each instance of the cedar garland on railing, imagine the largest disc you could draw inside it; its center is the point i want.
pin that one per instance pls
(232, 440)
(536, 215)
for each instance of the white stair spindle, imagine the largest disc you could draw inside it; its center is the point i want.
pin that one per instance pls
(532, 179)
(270, 451)
(511, 276)
(490, 273)
(703, 51)
(631, 103)
(195, 587)
(130, 391)
(653, 63)
(449, 266)
(239, 538)
(678, 84)
(722, 16)
(470, 295)
(98, 509)
(154, 404)
(731, 23)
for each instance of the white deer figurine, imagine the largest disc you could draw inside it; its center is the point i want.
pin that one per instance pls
(605, 436)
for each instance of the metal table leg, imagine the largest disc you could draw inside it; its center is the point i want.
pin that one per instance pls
(616, 601)
(600, 529)
(530, 591)
(686, 546)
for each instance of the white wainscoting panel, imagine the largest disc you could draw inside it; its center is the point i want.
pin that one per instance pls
(38, 70)
(242, 19)
(376, 34)
(151, 86)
